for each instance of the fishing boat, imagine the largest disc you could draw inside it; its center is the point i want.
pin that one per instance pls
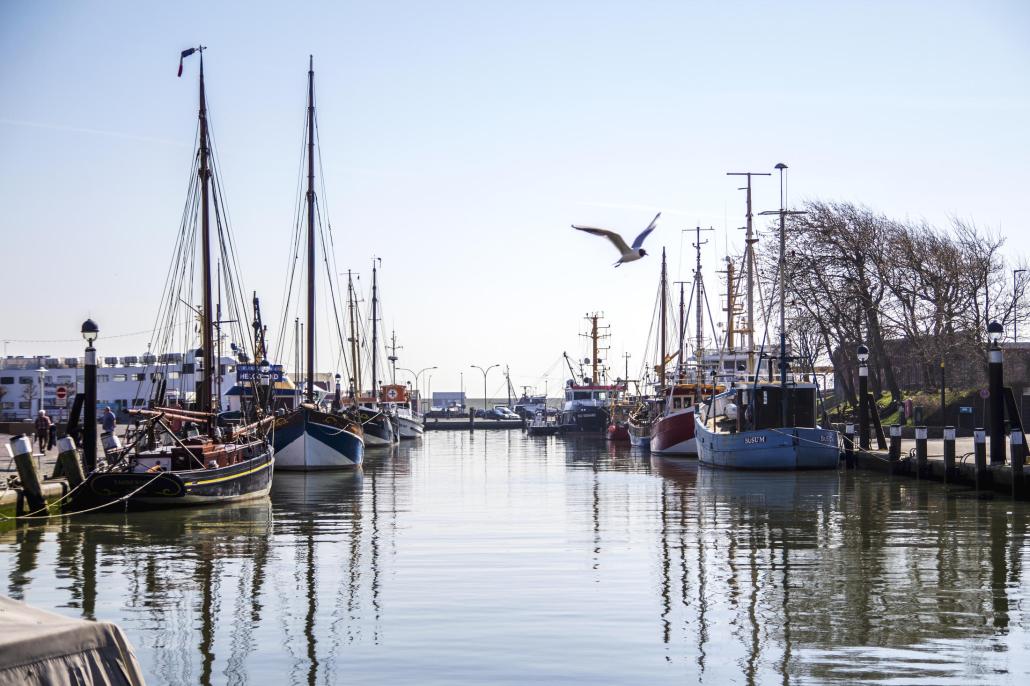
(213, 462)
(307, 437)
(586, 409)
(542, 424)
(402, 405)
(769, 424)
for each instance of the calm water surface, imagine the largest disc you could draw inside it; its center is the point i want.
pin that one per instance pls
(497, 558)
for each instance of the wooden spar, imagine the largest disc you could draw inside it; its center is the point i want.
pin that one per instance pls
(356, 369)
(749, 266)
(173, 415)
(661, 366)
(250, 427)
(205, 241)
(375, 335)
(178, 410)
(683, 336)
(311, 231)
(731, 307)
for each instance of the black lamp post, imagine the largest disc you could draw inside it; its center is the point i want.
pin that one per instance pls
(90, 332)
(337, 400)
(265, 384)
(863, 396)
(996, 404)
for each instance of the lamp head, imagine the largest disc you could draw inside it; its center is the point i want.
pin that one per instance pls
(994, 332)
(781, 166)
(863, 353)
(90, 331)
(264, 367)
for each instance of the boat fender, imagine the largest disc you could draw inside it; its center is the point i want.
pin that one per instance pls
(731, 411)
(212, 464)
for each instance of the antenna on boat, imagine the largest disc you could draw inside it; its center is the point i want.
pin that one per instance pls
(749, 268)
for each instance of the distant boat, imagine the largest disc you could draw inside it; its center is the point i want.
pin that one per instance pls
(542, 424)
(771, 424)
(158, 467)
(400, 405)
(307, 438)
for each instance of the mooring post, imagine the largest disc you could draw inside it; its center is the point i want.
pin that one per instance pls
(68, 458)
(1017, 455)
(949, 453)
(472, 419)
(895, 445)
(920, 451)
(995, 399)
(849, 446)
(21, 446)
(980, 454)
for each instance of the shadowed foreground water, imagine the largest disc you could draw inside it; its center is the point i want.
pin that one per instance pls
(497, 558)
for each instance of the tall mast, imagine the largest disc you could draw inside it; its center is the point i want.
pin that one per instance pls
(593, 348)
(393, 357)
(375, 333)
(662, 289)
(699, 290)
(749, 266)
(683, 335)
(311, 231)
(783, 298)
(356, 381)
(731, 308)
(205, 240)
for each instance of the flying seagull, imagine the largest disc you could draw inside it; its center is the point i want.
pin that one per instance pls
(627, 253)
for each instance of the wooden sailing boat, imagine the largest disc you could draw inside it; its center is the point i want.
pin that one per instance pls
(378, 425)
(158, 467)
(767, 424)
(308, 438)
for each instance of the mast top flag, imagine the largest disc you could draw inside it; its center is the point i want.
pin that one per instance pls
(184, 54)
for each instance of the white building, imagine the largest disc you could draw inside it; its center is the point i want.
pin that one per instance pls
(122, 383)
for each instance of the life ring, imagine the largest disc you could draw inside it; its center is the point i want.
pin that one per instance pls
(392, 394)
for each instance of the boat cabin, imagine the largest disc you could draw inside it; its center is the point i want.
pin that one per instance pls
(759, 406)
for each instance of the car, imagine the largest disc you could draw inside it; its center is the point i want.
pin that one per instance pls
(505, 413)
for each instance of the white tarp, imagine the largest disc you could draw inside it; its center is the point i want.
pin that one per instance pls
(40, 647)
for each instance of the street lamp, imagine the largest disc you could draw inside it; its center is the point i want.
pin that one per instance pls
(264, 381)
(415, 374)
(994, 388)
(485, 372)
(1015, 305)
(90, 332)
(42, 381)
(863, 396)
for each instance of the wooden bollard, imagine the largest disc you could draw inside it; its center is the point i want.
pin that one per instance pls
(21, 446)
(68, 458)
(895, 445)
(849, 446)
(1017, 453)
(980, 455)
(920, 451)
(949, 453)
(472, 420)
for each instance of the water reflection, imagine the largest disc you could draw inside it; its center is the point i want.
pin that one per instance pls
(495, 557)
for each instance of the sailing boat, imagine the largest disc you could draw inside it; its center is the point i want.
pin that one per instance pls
(157, 467)
(767, 424)
(307, 438)
(377, 424)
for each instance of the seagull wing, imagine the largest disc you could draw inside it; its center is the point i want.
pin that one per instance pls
(643, 234)
(615, 238)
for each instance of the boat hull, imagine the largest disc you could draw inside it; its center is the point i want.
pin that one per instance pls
(795, 448)
(310, 440)
(196, 487)
(674, 434)
(409, 428)
(584, 420)
(617, 432)
(379, 432)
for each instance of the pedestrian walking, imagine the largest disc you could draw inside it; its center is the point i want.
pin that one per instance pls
(108, 421)
(43, 424)
(52, 436)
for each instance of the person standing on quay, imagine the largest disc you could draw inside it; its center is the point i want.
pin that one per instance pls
(42, 430)
(108, 421)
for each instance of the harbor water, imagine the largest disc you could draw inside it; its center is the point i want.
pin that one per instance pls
(499, 558)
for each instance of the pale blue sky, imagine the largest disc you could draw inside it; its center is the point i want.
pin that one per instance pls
(462, 138)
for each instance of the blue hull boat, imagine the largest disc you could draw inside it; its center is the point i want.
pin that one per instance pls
(792, 448)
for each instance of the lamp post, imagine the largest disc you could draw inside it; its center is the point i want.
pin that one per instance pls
(42, 382)
(994, 387)
(485, 372)
(90, 332)
(415, 374)
(264, 384)
(1015, 305)
(337, 394)
(863, 396)
(429, 390)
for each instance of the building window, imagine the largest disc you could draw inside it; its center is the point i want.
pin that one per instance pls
(64, 379)
(120, 377)
(25, 405)
(6, 379)
(8, 406)
(26, 380)
(139, 377)
(187, 368)
(103, 378)
(156, 376)
(173, 375)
